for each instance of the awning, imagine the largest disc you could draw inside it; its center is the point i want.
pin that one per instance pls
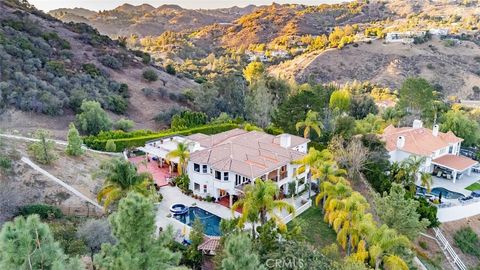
(210, 244)
(156, 151)
(454, 162)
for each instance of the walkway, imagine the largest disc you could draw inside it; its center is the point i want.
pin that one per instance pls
(60, 182)
(160, 175)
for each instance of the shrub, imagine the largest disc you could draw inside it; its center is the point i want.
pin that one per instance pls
(110, 61)
(91, 70)
(124, 124)
(467, 241)
(428, 211)
(170, 69)
(423, 245)
(110, 146)
(150, 75)
(43, 210)
(147, 91)
(188, 119)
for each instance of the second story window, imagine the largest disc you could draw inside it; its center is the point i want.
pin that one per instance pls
(218, 175)
(204, 168)
(225, 176)
(196, 167)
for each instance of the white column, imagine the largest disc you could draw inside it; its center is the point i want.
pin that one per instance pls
(230, 202)
(469, 172)
(454, 176)
(278, 175)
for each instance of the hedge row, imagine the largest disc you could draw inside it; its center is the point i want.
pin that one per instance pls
(98, 143)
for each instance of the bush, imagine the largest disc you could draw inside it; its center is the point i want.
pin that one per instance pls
(110, 61)
(43, 210)
(5, 163)
(147, 91)
(124, 124)
(188, 119)
(467, 241)
(428, 211)
(91, 70)
(124, 140)
(110, 146)
(170, 69)
(150, 75)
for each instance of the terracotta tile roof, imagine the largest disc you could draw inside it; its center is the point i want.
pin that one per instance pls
(251, 154)
(459, 163)
(209, 243)
(420, 141)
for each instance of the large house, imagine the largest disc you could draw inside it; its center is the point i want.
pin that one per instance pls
(221, 165)
(439, 150)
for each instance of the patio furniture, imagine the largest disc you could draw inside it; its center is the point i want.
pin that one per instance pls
(439, 174)
(449, 177)
(476, 193)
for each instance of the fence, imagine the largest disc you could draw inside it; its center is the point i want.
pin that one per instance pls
(447, 247)
(298, 211)
(86, 210)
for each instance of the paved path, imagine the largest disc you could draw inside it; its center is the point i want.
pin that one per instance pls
(60, 182)
(59, 142)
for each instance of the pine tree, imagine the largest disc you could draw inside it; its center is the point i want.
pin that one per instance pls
(196, 238)
(133, 226)
(239, 254)
(74, 147)
(27, 243)
(43, 149)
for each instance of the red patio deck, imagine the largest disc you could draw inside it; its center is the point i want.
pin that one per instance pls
(160, 175)
(225, 201)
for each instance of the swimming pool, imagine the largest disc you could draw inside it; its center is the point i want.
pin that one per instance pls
(211, 222)
(446, 194)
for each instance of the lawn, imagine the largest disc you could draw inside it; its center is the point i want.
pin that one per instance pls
(474, 186)
(314, 229)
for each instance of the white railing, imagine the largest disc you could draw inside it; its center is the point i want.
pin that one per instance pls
(298, 211)
(445, 245)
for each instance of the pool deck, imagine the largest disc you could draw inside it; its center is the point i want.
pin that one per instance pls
(459, 186)
(160, 175)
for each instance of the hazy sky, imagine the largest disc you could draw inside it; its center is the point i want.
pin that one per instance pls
(47, 5)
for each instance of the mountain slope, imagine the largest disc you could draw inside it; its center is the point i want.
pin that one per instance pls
(48, 67)
(453, 68)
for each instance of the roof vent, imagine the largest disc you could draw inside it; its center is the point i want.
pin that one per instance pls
(285, 140)
(400, 142)
(417, 123)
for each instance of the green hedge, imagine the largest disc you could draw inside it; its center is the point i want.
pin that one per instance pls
(124, 140)
(43, 210)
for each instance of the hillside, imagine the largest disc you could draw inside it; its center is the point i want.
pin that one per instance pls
(145, 20)
(455, 69)
(49, 67)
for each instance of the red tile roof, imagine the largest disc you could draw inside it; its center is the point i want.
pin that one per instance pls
(420, 141)
(459, 163)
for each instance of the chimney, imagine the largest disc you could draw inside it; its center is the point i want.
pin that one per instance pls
(400, 142)
(435, 130)
(285, 140)
(417, 123)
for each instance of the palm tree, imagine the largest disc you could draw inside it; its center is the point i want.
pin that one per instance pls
(383, 243)
(258, 202)
(182, 153)
(426, 180)
(310, 122)
(121, 177)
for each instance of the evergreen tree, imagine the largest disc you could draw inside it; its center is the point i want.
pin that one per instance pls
(74, 147)
(239, 254)
(43, 149)
(27, 243)
(196, 237)
(93, 118)
(137, 247)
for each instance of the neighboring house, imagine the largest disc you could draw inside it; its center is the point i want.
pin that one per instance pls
(279, 54)
(403, 37)
(438, 31)
(440, 150)
(256, 56)
(221, 165)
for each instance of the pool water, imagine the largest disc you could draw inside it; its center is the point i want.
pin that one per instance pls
(211, 222)
(446, 194)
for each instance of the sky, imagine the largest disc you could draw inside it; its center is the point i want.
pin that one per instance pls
(47, 5)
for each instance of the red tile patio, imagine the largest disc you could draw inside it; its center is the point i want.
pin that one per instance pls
(225, 201)
(160, 175)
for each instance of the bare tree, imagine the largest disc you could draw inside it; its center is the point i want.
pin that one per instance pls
(95, 232)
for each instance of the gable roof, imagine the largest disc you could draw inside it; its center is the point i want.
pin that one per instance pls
(250, 154)
(419, 141)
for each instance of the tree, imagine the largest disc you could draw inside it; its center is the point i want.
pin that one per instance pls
(74, 146)
(43, 149)
(340, 99)
(311, 122)
(384, 242)
(95, 232)
(193, 255)
(464, 127)
(93, 118)
(416, 95)
(110, 146)
(137, 247)
(27, 243)
(253, 71)
(239, 254)
(182, 153)
(400, 213)
(352, 156)
(362, 105)
(370, 124)
(124, 124)
(259, 202)
(259, 103)
(426, 180)
(121, 177)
